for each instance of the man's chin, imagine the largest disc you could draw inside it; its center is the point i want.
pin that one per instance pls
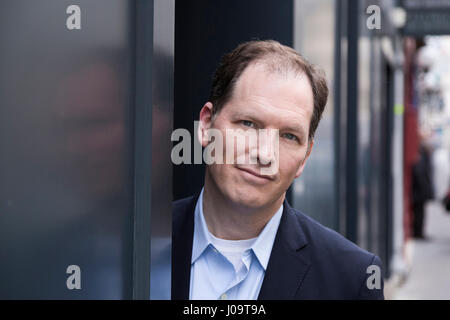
(250, 199)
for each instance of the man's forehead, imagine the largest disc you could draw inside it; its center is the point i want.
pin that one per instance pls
(261, 74)
(285, 88)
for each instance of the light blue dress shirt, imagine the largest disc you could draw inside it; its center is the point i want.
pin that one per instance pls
(214, 276)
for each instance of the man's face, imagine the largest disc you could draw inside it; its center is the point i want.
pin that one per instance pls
(262, 100)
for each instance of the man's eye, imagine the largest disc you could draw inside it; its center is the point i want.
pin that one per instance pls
(248, 123)
(290, 136)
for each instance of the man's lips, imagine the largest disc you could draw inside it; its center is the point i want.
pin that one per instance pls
(256, 174)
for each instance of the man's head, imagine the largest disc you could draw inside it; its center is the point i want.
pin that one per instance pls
(263, 85)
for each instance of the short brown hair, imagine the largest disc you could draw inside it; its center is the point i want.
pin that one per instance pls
(278, 58)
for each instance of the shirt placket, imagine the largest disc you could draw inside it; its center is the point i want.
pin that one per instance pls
(241, 275)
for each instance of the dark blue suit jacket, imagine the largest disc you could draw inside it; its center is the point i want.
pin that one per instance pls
(308, 260)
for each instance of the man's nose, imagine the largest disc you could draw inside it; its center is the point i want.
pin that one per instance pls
(267, 146)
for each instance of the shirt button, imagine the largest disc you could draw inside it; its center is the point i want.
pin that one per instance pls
(224, 296)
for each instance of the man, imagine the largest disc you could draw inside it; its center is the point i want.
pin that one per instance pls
(239, 238)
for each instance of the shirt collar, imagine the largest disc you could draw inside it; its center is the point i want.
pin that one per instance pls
(264, 243)
(201, 233)
(262, 246)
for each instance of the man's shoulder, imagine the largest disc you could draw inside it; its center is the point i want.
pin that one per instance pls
(182, 209)
(343, 266)
(333, 246)
(180, 206)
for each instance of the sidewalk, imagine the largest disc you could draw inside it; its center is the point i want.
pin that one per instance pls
(430, 268)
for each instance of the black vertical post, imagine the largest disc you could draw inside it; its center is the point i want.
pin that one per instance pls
(389, 220)
(337, 111)
(143, 150)
(351, 194)
(153, 167)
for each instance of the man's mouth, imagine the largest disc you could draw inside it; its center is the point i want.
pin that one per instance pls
(255, 175)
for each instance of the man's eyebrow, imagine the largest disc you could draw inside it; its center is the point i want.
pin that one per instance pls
(253, 116)
(240, 114)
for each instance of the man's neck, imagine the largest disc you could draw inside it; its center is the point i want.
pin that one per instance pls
(230, 221)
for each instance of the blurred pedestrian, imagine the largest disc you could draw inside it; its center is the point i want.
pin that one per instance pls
(423, 190)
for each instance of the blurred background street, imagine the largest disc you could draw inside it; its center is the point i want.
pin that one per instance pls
(429, 274)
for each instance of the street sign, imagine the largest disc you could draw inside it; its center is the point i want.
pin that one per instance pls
(431, 17)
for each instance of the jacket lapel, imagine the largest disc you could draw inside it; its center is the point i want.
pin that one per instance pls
(287, 265)
(183, 234)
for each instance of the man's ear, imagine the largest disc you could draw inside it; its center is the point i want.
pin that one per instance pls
(308, 152)
(205, 120)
